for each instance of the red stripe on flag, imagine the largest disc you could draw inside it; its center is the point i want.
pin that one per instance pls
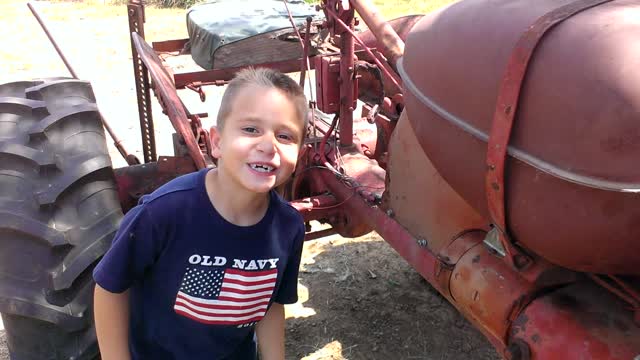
(247, 291)
(240, 282)
(228, 298)
(217, 322)
(222, 307)
(251, 273)
(255, 308)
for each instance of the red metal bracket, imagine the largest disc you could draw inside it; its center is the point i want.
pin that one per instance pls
(506, 108)
(166, 92)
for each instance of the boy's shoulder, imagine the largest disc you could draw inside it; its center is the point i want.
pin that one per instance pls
(175, 189)
(285, 209)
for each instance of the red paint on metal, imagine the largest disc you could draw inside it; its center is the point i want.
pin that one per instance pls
(565, 197)
(182, 79)
(143, 87)
(328, 84)
(579, 321)
(389, 74)
(169, 45)
(375, 217)
(348, 81)
(316, 207)
(488, 290)
(421, 199)
(137, 180)
(170, 99)
(506, 109)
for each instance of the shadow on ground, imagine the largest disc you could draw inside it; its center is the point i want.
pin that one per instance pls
(366, 302)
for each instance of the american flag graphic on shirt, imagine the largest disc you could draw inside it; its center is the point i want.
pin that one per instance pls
(225, 297)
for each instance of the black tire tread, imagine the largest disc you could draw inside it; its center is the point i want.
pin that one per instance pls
(46, 287)
(49, 195)
(80, 258)
(33, 228)
(57, 118)
(17, 88)
(38, 158)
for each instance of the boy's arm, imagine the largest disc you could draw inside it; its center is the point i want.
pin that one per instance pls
(112, 323)
(270, 332)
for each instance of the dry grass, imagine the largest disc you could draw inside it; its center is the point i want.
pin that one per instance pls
(395, 8)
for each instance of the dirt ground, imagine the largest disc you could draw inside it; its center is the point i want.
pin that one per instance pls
(358, 298)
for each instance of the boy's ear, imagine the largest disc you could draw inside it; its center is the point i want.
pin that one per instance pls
(214, 135)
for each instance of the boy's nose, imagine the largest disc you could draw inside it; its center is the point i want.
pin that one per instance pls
(267, 143)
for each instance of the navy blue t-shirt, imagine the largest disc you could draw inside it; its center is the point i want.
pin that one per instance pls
(198, 283)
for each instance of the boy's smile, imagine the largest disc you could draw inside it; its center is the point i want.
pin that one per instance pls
(258, 146)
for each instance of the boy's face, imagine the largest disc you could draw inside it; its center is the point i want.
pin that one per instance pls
(258, 147)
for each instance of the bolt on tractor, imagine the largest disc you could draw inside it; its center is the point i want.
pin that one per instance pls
(493, 151)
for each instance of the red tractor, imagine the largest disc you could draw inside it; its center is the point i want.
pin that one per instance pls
(493, 153)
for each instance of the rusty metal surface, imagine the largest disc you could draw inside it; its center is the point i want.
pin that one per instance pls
(168, 96)
(376, 218)
(505, 113)
(315, 207)
(135, 11)
(137, 180)
(579, 321)
(390, 75)
(575, 125)
(327, 83)
(420, 198)
(487, 289)
(341, 23)
(176, 45)
(181, 79)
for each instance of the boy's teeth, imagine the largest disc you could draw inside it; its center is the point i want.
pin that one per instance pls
(262, 168)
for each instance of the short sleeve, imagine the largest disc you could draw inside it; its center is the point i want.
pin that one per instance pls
(133, 250)
(288, 291)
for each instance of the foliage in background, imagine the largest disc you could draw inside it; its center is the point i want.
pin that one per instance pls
(173, 3)
(396, 8)
(391, 8)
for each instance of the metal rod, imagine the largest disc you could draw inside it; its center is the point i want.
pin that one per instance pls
(347, 76)
(53, 42)
(614, 290)
(392, 45)
(129, 158)
(385, 70)
(633, 293)
(305, 52)
(320, 234)
(293, 24)
(303, 43)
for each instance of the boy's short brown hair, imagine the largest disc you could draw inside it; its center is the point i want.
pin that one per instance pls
(268, 78)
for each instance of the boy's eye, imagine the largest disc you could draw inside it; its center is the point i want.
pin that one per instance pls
(285, 137)
(250, 129)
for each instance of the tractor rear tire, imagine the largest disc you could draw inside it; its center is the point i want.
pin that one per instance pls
(59, 211)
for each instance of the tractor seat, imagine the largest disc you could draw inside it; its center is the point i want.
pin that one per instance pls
(215, 24)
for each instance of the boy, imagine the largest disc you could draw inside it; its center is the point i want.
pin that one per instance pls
(203, 265)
